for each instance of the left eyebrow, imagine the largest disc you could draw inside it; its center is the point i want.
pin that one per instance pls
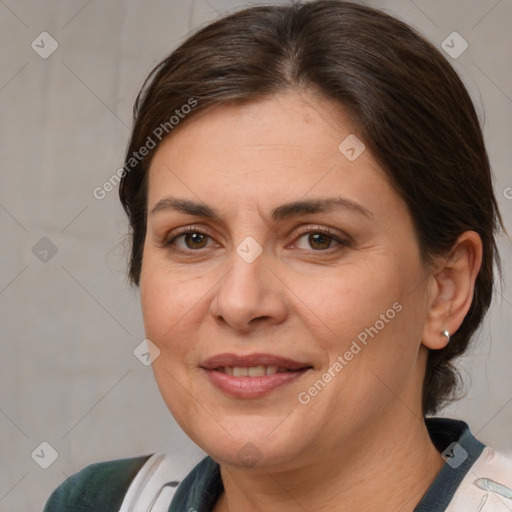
(282, 212)
(320, 205)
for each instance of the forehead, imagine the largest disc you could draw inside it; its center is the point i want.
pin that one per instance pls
(272, 125)
(275, 150)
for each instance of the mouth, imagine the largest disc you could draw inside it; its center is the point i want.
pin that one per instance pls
(252, 371)
(271, 362)
(252, 376)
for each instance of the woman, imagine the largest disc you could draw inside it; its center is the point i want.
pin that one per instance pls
(313, 228)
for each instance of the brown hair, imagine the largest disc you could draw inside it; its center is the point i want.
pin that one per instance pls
(409, 105)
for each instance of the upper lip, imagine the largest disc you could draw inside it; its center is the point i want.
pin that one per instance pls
(234, 360)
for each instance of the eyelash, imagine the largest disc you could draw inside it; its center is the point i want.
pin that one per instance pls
(319, 230)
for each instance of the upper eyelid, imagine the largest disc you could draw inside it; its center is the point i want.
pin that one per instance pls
(303, 230)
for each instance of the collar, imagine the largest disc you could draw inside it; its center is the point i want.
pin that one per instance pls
(460, 449)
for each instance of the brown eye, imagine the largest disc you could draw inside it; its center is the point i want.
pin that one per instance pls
(318, 240)
(321, 239)
(193, 241)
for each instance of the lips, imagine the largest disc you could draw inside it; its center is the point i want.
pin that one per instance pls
(254, 375)
(252, 360)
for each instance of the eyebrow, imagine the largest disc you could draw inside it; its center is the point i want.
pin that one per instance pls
(282, 212)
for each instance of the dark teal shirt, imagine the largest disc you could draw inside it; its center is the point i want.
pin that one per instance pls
(101, 487)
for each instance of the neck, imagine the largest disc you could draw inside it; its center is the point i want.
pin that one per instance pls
(385, 468)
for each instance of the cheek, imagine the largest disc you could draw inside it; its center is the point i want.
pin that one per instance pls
(172, 305)
(158, 302)
(378, 306)
(353, 299)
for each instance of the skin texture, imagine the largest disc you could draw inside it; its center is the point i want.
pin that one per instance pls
(360, 443)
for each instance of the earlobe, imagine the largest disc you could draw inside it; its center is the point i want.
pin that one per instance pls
(452, 290)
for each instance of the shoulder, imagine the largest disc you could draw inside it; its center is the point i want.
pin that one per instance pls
(475, 478)
(167, 478)
(97, 487)
(488, 484)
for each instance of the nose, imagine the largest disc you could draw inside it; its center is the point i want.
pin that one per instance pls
(250, 294)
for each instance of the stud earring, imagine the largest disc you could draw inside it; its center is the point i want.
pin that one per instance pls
(446, 334)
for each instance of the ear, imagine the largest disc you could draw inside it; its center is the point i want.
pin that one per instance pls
(451, 290)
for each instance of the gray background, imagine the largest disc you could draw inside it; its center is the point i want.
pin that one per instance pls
(70, 324)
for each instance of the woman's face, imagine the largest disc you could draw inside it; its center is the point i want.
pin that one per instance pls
(257, 288)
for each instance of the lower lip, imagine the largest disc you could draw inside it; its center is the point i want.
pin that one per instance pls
(251, 387)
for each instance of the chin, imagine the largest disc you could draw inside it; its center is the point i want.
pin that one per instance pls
(253, 449)
(246, 453)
